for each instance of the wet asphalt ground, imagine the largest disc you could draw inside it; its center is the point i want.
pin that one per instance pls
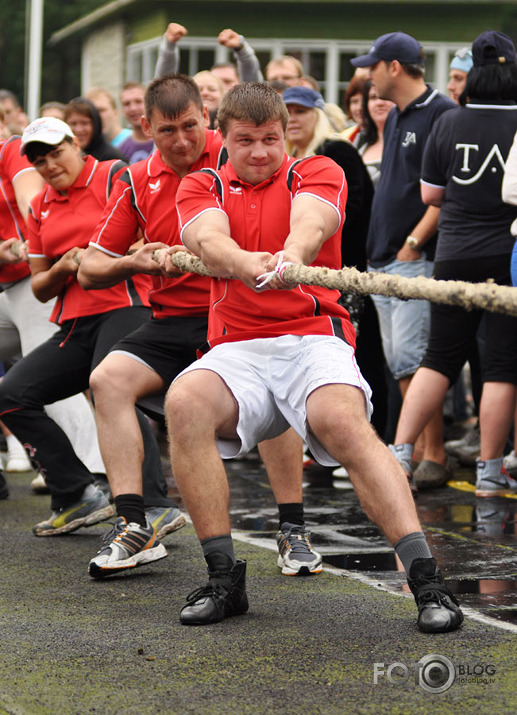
(344, 641)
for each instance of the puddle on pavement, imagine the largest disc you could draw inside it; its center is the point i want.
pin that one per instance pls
(482, 586)
(474, 540)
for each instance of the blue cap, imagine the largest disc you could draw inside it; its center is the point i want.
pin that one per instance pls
(305, 96)
(462, 60)
(393, 46)
(493, 48)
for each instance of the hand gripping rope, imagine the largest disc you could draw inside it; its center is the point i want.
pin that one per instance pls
(487, 296)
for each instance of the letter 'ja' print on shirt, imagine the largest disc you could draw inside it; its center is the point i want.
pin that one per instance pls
(410, 138)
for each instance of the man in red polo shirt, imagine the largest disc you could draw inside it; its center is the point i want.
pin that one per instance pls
(146, 362)
(286, 357)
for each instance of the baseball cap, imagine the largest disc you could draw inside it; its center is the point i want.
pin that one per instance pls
(305, 96)
(492, 48)
(393, 46)
(462, 60)
(47, 130)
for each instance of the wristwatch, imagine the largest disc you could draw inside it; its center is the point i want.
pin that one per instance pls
(412, 242)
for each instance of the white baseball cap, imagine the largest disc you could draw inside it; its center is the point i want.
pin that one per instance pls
(47, 130)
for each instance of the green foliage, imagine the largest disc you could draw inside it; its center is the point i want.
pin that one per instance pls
(61, 65)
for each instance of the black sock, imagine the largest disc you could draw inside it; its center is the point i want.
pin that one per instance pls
(131, 507)
(291, 513)
(410, 547)
(219, 544)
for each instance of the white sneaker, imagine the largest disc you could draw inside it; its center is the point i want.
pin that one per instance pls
(510, 463)
(39, 485)
(341, 473)
(18, 464)
(126, 546)
(17, 459)
(296, 557)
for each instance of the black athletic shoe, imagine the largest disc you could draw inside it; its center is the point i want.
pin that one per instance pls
(4, 491)
(223, 596)
(438, 609)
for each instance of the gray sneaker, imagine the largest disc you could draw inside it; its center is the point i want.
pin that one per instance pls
(492, 479)
(165, 519)
(87, 511)
(466, 450)
(126, 546)
(296, 556)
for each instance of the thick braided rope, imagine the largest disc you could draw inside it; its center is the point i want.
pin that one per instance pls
(489, 296)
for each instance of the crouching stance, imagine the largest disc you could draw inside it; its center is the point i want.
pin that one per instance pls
(285, 357)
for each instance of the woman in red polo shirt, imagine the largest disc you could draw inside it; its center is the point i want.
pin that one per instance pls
(61, 221)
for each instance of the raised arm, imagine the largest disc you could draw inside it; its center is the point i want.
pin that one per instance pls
(168, 53)
(248, 65)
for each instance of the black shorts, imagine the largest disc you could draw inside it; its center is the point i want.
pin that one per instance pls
(166, 345)
(453, 329)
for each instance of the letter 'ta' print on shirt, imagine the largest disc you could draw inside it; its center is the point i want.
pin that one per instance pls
(493, 158)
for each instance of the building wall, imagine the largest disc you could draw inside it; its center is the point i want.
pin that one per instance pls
(323, 34)
(432, 21)
(104, 58)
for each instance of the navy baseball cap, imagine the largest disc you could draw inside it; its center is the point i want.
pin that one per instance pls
(493, 48)
(393, 46)
(305, 96)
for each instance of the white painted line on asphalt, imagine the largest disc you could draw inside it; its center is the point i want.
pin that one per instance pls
(468, 612)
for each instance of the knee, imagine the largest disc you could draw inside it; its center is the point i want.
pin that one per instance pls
(186, 412)
(10, 397)
(106, 380)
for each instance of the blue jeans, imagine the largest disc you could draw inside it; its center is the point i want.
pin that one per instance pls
(404, 324)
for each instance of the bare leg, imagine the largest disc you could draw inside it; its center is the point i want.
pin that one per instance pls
(496, 414)
(282, 458)
(422, 412)
(336, 415)
(117, 383)
(198, 407)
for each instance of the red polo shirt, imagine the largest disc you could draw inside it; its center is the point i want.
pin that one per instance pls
(259, 221)
(12, 224)
(58, 222)
(145, 198)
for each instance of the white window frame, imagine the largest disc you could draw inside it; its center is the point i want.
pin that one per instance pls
(140, 66)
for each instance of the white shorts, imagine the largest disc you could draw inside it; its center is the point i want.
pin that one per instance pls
(271, 379)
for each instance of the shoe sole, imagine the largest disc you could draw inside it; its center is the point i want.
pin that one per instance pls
(178, 523)
(94, 518)
(139, 559)
(496, 493)
(300, 571)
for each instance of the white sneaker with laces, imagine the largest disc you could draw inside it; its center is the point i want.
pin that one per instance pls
(126, 546)
(296, 556)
